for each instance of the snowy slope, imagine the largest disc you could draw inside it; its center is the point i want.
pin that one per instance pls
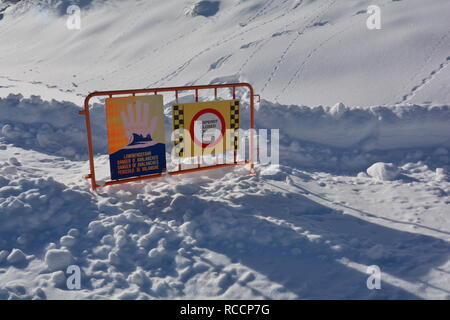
(314, 51)
(305, 229)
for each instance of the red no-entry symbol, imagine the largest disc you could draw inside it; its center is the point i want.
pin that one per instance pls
(203, 126)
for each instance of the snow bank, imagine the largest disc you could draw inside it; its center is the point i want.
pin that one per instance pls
(354, 138)
(52, 127)
(336, 137)
(375, 128)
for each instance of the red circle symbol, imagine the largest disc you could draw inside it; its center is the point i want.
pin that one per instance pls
(222, 129)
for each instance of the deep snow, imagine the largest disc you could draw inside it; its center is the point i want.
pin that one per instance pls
(306, 52)
(307, 228)
(311, 232)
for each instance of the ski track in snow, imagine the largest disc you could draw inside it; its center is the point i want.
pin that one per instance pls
(342, 206)
(258, 13)
(263, 42)
(295, 77)
(154, 51)
(299, 34)
(217, 44)
(159, 48)
(260, 43)
(297, 73)
(216, 65)
(182, 67)
(107, 49)
(146, 56)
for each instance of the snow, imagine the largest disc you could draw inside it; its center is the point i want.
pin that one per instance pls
(16, 257)
(384, 171)
(364, 120)
(225, 234)
(48, 126)
(313, 52)
(58, 259)
(441, 174)
(204, 8)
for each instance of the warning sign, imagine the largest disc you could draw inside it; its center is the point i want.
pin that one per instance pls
(136, 142)
(206, 127)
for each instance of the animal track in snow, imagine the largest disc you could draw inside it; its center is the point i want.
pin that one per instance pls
(425, 81)
(217, 44)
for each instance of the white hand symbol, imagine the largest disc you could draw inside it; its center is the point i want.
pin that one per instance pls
(138, 125)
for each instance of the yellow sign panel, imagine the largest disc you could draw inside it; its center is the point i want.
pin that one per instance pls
(206, 127)
(136, 142)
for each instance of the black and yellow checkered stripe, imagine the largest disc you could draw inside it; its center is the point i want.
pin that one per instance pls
(178, 127)
(235, 122)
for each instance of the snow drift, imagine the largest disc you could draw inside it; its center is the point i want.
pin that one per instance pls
(357, 137)
(346, 138)
(49, 126)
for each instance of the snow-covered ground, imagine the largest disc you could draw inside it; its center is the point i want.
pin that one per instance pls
(360, 183)
(314, 51)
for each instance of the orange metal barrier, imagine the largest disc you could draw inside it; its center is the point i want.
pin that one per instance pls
(176, 90)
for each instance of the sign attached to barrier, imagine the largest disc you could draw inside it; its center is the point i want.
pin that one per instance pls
(206, 127)
(136, 142)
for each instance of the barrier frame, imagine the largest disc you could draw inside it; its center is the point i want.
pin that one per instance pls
(85, 112)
